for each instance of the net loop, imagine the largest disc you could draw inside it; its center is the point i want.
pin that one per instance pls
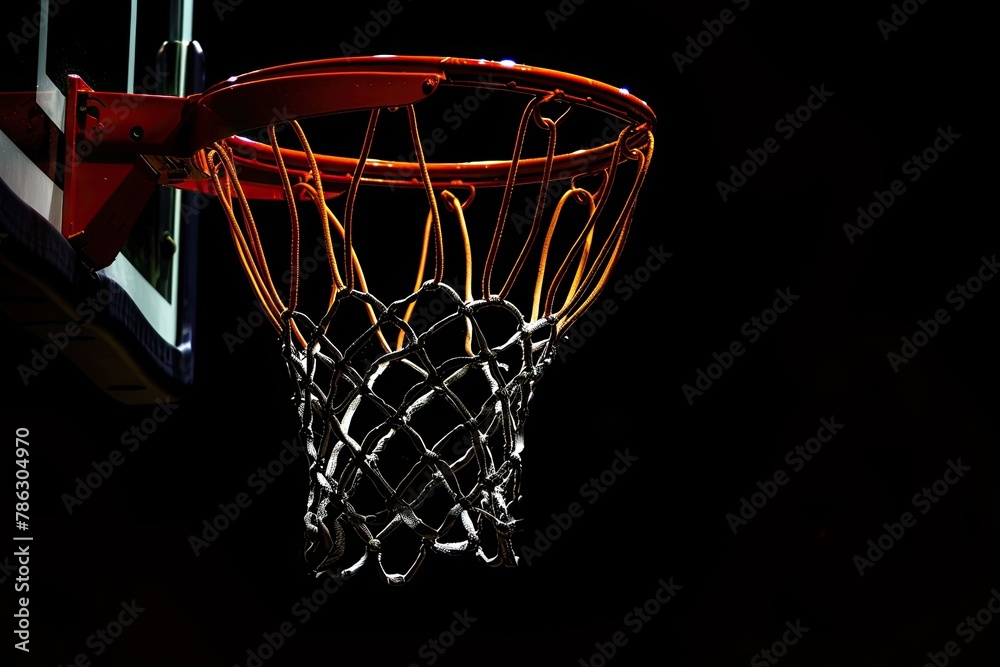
(545, 122)
(449, 199)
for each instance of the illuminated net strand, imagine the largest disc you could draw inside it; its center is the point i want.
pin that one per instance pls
(339, 462)
(332, 383)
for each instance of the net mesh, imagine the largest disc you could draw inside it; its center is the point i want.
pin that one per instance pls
(414, 426)
(451, 487)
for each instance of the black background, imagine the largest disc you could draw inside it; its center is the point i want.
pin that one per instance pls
(666, 516)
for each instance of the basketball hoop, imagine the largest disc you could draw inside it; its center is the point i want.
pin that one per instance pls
(412, 393)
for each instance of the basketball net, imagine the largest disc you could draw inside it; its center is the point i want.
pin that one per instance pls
(414, 431)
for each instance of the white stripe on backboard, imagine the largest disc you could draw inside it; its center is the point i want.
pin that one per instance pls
(30, 183)
(50, 98)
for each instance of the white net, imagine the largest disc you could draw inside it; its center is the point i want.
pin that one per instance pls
(434, 465)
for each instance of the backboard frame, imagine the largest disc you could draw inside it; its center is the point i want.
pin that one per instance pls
(137, 347)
